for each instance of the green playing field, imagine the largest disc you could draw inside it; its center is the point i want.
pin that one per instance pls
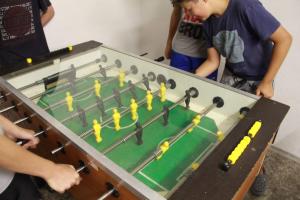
(161, 175)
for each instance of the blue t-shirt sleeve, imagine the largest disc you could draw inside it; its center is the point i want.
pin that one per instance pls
(262, 23)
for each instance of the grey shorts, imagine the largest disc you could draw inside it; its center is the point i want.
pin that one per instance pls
(230, 79)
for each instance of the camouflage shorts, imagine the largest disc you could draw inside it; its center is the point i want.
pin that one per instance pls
(246, 85)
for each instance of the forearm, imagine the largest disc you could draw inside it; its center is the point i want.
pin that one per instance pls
(17, 159)
(47, 16)
(6, 124)
(207, 67)
(210, 64)
(175, 17)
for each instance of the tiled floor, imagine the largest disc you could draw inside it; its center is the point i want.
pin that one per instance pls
(283, 174)
(283, 179)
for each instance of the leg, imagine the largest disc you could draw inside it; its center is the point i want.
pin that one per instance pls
(21, 188)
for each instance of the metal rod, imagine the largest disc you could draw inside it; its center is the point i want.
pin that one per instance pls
(94, 105)
(109, 120)
(107, 194)
(87, 133)
(35, 135)
(21, 120)
(76, 95)
(80, 169)
(30, 85)
(60, 148)
(124, 139)
(156, 153)
(41, 81)
(173, 139)
(6, 109)
(66, 85)
(143, 164)
(125, 111)
(24, 119)
(80, 93)
(5, 95)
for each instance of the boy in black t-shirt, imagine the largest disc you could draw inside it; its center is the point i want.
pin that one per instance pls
(21, 31)
(22, 36)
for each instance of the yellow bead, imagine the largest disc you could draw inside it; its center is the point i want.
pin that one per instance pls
(29, 60)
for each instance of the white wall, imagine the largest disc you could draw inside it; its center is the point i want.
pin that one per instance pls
(140, 26)
(287, 83)
(155, 26)
(116, 23)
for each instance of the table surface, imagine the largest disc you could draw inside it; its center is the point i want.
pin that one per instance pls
(161, 175)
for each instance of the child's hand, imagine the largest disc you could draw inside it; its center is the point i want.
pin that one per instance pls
(265, 89)
(62, 177)
(16, 132)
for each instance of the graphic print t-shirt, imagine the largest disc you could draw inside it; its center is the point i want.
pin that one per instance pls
(21, 32)
(242, 35)
(188, 39)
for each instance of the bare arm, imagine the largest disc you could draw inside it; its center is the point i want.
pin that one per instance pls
(282, 41)
(175, 18)
(47, 15)
(15, 158)
(15, 132)
(211, 63)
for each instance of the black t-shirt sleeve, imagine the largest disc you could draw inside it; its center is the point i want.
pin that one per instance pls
(44, 4)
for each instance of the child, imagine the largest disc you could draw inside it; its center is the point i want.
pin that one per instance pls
(253, 42)
(21, 32)
(22, 36)
(185, 45)
(248, 36)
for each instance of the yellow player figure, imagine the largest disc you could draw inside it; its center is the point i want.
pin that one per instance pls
(195, 121)
(163, 91)
(149, 98)
(116, 117)
(122, 78)
(133, 108)
(195, 166)
(97, 130)
(220, 135)
(69, 100)
(97, 87)
(163, 148)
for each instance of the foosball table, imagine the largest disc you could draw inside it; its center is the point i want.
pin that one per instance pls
(138, 129)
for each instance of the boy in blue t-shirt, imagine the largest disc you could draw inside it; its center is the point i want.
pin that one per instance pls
(248, 36)
(253, 43)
